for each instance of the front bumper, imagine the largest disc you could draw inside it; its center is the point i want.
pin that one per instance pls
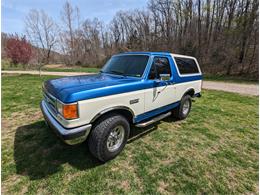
(69, 136)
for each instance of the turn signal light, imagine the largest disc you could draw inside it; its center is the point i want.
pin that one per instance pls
(70, 111)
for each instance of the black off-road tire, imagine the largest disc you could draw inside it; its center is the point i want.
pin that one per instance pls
(179, 112)
(97, 142)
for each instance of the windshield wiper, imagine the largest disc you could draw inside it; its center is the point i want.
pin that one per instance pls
(115, 72)
(131, 75)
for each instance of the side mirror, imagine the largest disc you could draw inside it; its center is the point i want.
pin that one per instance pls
(165, 77)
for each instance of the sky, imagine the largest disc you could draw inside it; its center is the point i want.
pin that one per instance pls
(13, 12)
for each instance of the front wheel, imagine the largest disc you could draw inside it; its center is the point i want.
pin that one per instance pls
(183, 110)
(109, 137)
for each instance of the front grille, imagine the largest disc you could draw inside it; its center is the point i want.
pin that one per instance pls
(50, 101)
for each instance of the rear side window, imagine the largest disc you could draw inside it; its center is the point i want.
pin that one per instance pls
(186, 65)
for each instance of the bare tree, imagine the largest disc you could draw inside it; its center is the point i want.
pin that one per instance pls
(222, 34)
(42, 32)
(68, 18)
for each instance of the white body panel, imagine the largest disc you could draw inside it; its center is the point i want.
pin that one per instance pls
(181, 88)
(88, 109)
(161, 96)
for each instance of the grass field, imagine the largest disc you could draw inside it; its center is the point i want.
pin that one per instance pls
(215, 150)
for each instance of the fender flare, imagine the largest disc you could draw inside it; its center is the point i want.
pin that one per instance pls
(189, 90)
(112, 109)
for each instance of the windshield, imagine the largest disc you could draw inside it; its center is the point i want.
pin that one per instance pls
(126, 65)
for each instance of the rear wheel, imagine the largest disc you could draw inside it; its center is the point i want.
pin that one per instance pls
(109, 137)
(183, 110)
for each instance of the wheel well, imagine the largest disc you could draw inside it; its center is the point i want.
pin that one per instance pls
(190, 92)
(124, 112)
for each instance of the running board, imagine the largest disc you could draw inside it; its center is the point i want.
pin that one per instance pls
(153, 120)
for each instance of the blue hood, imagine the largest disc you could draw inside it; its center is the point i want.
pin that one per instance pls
(76, 88)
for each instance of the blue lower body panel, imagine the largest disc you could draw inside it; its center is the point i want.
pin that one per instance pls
(155, 112)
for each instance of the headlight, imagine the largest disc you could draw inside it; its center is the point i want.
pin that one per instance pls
(68, 111)
(59, 107)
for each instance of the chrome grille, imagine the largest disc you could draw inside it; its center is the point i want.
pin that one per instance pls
(50, 101)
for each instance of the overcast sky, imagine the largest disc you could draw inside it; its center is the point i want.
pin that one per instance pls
(14, 11)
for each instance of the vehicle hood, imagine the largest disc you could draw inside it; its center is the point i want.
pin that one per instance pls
(76, 88)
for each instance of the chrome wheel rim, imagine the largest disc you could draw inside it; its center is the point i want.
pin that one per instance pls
(186, 107)
(115, 138)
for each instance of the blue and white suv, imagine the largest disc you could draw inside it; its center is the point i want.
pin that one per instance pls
(134, 88)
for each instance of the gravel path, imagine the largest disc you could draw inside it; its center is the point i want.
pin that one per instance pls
(246, 89)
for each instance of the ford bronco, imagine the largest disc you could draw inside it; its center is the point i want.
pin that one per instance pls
(132, 89)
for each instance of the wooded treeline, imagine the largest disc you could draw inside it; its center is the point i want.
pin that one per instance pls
(222, 34)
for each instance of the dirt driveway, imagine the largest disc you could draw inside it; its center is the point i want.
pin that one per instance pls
(246, 89)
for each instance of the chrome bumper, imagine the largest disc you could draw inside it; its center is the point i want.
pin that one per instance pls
(69, 136)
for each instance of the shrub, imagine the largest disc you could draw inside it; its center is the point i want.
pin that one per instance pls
(19, 50)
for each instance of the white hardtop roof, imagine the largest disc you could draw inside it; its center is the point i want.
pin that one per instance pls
(182, 56)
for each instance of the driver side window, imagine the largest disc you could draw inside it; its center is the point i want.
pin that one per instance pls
(160, 65)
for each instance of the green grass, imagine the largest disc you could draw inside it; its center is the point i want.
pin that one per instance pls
(213, 151)
(21, 93)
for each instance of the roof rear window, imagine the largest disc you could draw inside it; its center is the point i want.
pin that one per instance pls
(186, 65)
